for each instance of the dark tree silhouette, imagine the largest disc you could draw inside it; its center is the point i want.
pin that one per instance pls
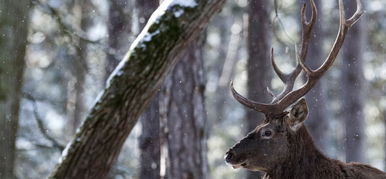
(352, 81)
(316, 98)
(149, 141)
(184, 116)
(259, 65)
(14, 18)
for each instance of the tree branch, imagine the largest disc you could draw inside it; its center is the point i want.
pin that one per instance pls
(41, 126)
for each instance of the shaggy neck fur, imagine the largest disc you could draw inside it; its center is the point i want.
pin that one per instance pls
(305, 159)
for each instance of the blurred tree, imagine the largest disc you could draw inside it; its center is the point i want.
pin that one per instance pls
(352, 81)
(259, 65)
(14, 18)
(129, 90)
(79, 66)
(228, 55)
(316, 98)
(119, 30)
(184, 117)
(149, 141)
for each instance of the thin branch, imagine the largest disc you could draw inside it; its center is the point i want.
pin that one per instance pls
(71, 31)
(41, 125)
(68, 29)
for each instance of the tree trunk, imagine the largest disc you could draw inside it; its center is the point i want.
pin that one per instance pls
(259, 65)
(14, 18)
(352, 81)
(149, 141)
(119, 29)
(185, 117)
(131, 87)
(384, 145)
(231, 43)
(80, 69)
(316, 98)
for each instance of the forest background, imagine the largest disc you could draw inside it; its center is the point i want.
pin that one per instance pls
(57, 55)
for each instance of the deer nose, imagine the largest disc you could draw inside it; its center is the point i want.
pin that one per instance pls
(228, 156)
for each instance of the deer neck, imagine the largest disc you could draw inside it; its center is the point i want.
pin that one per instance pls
(305, 158)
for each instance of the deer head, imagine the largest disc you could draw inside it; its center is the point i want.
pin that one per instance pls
(276, 140)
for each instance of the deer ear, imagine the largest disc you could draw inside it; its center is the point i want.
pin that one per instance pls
(298, 114)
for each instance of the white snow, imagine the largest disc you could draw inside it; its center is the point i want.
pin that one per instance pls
(178, 13)
(144, 36)
(149, 36)
(65, 152)
(183, 3)
(154, 19)
(117, 71)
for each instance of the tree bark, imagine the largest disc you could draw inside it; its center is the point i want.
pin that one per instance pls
(185, 117)
(384, 145)
(14, 18)
(316, 98)
(149, 141)
(131, 87)
(352, 80)
(259, 65)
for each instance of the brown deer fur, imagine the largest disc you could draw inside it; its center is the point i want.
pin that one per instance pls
(289, 151)
(307, 162)
(281, 146)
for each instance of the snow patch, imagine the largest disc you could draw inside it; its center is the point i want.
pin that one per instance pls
(65, 152)
(183, 3)
(179, 12)
(144, 36)
(117, 72)
(149, 36)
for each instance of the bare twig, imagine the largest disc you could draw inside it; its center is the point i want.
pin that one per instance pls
(71, 31)
(41, 125)
(68, 29)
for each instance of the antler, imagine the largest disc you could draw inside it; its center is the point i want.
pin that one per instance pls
(288, 96)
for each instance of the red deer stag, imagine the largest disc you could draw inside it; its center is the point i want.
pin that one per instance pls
(281, 146)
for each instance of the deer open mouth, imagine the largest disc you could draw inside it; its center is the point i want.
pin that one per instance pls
(235, 166)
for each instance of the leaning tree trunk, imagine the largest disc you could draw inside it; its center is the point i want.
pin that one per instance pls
(149, 141)
(132, 85)
(352, 81)
(316, 98)
(183, 112)
(14, 18)
(259, 65)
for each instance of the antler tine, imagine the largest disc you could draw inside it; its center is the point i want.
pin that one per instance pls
(307, 29)
(283, 77)
(343, 28)
(287, 97)
(261, 107)
(353, 19)
(306, 37)
(314, 75)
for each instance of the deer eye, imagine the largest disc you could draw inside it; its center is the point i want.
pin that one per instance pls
(267, 133)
